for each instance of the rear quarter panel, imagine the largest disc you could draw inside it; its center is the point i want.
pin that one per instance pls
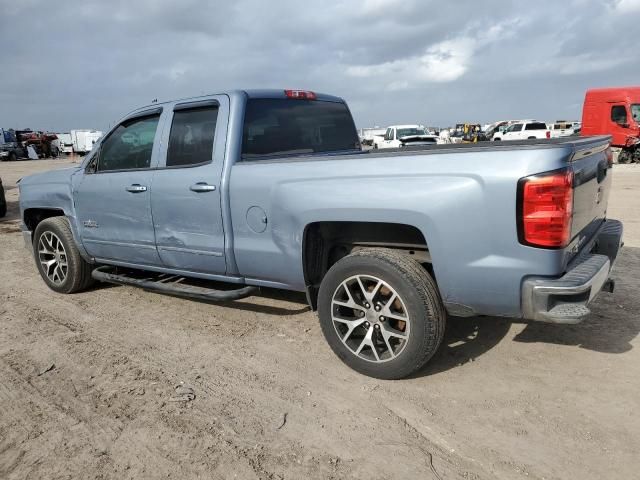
(468, 219)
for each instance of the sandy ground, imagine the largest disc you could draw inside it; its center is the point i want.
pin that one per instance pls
(88, 385)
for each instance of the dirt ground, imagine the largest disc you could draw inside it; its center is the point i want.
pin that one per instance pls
(88, 385)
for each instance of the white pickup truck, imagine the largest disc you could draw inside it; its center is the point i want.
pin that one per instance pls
(524, 130)
(398, 136)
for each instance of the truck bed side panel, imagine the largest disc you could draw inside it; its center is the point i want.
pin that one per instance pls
(468, 220)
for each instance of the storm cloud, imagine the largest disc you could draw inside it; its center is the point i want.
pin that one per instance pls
(68, 64)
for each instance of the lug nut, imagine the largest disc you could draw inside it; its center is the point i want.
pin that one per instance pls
(378, 308)
(377, 327)
(367, 305)
(382, 319)
(361, 313)
(366, 324)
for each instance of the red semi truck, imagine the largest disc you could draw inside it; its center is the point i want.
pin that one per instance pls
(616, 112)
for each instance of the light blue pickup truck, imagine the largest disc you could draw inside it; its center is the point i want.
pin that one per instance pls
(215, 196)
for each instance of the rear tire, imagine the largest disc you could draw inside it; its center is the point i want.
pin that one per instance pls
(57, 257)
(397, 322)
(12, 156)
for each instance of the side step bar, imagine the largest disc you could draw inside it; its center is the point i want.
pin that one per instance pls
(172, 285)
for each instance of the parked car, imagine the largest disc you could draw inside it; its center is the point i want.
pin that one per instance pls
(270, 188)
(398, 136)
(3, 201)
(10, 149)
(615, 112)
(524, 130)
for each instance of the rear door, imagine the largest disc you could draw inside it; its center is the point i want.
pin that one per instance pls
(112, 200)
(185, 200)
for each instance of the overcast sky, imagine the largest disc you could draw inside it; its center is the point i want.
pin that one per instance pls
(84, 64)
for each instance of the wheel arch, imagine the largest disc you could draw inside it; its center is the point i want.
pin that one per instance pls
(33, 216)
(326, 242)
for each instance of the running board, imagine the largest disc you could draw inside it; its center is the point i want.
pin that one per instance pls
(172, 285)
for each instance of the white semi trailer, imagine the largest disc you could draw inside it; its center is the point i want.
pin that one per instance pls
(83, 140)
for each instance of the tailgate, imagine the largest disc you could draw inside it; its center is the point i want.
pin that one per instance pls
(591, 182)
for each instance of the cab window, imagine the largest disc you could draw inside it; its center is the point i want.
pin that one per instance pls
(129, 146)
(191, 137)
(619, 114)
(275, 126)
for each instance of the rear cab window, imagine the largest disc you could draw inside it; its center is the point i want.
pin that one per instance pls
(283, 126)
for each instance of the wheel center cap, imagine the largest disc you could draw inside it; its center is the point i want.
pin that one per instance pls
(372, 316)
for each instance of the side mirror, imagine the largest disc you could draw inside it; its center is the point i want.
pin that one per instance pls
(92, 166)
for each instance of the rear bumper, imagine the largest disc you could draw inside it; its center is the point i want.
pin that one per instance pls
(566, 299)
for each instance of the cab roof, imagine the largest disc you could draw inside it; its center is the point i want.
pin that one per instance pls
(249, 93)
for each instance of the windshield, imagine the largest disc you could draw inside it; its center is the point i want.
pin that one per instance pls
(274, 126)
(405, 132)
(635, 112)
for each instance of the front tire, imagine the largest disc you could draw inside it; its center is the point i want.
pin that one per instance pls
(381, 313)
(57, 257)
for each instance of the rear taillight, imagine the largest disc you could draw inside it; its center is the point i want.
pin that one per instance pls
(545, 207)
(300, 94)
(548, 134)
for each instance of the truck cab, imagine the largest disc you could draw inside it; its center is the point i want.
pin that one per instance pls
(615, 112)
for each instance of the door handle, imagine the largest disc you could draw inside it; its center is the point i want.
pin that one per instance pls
(136, 188)
(202, 187)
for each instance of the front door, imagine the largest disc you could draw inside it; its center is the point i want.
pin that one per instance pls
(185, 199)
(112, 200)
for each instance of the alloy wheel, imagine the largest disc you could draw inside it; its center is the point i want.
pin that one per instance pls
(53, 257)
(370, 318)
